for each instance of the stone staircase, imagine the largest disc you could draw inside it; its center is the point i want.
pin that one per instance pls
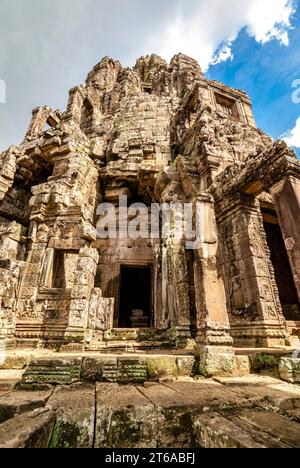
(138, 340)
(123, 369)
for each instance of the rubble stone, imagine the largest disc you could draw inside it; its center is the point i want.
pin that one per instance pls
(289, 370)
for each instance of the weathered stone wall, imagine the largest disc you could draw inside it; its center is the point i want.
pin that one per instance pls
(156, 132)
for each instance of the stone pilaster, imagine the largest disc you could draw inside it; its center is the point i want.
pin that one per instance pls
(213, 339)
(252, 295)
(84, 281)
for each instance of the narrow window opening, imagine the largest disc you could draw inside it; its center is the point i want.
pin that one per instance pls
(227, 106)
(59, 280)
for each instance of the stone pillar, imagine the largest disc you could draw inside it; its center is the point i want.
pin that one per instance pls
(160, 320)
(178, 289)
(84, 281)
(252, 295)
(75, 104)
(30, 314)
(175, 283)
(286, 195)
(9, 280)
(10, 270)
(7, 170)
(100, 317)
(38, 121)
(213, 339)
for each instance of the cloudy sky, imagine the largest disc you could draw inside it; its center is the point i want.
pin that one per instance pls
(48, 47)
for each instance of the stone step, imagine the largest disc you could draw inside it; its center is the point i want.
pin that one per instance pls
(248, 429)
(53, 371)
(185, 415)
(128, 345)
(28, 430)
(19, 402)
(75, 416)
(123, 369)
(289, 369)
(8, 379)
(262, 413)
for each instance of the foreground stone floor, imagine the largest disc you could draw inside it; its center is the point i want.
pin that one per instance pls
(250, 412)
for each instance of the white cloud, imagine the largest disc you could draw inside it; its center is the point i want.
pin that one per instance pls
(292, 138)
(222, 55)
(206, 27)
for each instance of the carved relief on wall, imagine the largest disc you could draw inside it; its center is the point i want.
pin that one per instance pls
(42, 233)
(236, 293)
(27, 310)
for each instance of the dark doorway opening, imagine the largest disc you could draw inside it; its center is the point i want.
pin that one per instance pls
(283, 273)
(59, 280)
(135, 309)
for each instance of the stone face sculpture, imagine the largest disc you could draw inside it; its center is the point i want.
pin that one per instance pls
(156, 133)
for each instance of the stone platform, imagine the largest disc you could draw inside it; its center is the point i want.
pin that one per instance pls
(247, 412)
(147, 400)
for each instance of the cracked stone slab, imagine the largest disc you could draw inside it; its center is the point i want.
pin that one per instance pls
(275, 396)
(29, 430)
(197, 395)
(125, 418)
(75, 416)
(276, 427)
(215, 430)
(176, 402)
(19, 402)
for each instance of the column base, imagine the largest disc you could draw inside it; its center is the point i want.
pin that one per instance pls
(260, 336)
(215, 361)
(73, 340)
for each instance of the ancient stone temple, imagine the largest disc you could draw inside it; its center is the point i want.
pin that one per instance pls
(155, 133)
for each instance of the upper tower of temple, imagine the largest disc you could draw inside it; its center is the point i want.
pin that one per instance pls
(159, 103)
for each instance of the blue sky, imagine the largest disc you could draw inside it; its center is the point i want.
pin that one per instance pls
(266, 72)
(46, 48)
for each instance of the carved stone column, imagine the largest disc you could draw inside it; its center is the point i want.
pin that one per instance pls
(30, 314)
(160, 319)
(252, 295)
(286, 195)
(84, 281)
(213, 339)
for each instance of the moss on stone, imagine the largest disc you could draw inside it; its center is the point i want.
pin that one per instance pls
(162, 367)
(147, 334)
(265, 363)
(64, 435)
(179, 427)
(123, 431)
(198, 368)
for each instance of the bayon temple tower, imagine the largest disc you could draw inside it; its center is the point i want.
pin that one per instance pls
(156, 133)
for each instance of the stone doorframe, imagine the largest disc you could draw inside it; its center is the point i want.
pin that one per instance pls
(133, 264)
(277, 171)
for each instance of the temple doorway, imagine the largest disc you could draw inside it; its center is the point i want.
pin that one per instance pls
(135, 306)
(283, 273)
